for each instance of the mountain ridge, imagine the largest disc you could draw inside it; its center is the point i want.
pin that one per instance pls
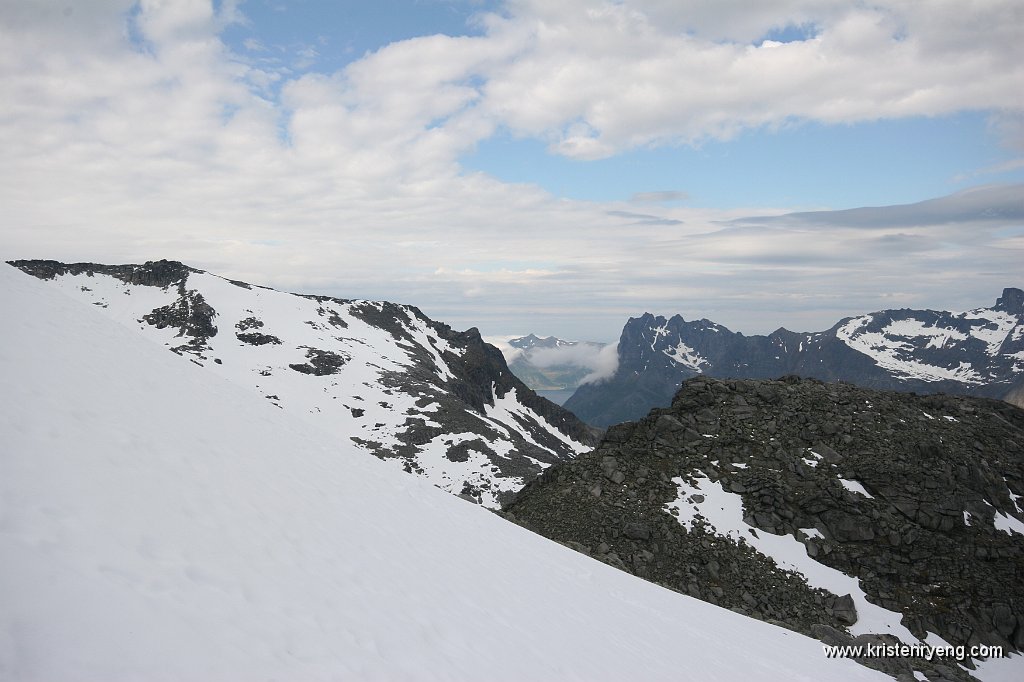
(439, 403)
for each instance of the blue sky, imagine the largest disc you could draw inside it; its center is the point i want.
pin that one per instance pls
(342, 32)
(527, 166)
(803, 164)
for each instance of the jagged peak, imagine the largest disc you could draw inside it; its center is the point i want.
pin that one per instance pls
(1012, 301)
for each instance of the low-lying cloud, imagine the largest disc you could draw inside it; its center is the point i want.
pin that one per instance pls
(601, 360)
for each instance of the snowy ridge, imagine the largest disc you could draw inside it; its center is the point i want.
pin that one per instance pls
(375, 374)
(158, 522)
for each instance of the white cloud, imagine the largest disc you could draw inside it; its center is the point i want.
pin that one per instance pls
(131, 132)
(597, 79)
(605, 365)
(600, 359)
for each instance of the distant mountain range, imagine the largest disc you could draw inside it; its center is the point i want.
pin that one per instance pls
(978, 352)
(436, 402)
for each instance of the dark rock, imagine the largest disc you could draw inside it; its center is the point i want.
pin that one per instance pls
(321, 363)
(636, 531)
(844, 610)
(258, 339)
(907, 544)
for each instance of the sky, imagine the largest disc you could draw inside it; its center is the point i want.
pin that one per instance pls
(528, 166)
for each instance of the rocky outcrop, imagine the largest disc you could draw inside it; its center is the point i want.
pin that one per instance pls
(918, 497)
(190, 315)
(161, 273)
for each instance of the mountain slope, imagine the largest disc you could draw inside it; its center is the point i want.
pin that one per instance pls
(160, 523)
(435, 402)
(907, 510)
(978, 352)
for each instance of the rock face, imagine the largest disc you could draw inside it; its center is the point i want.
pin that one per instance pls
(915, 500)
(438, 403)
(979, 352)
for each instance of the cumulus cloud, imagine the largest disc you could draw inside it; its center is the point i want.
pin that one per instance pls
(702, 69)
(578, 355)
(130, 131)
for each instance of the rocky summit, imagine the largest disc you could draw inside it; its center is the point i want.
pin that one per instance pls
(846, 513)
(977, 352)
(436, 402)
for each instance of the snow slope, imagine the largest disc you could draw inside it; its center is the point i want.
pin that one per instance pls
(376, 374)
(158, 522)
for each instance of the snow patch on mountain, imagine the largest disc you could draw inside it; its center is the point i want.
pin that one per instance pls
(508, 413)
(1008, 524)
(856, 487)
(913, 329)
(890, 352)
(995, 326)
(686, 356)
(722, 512)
